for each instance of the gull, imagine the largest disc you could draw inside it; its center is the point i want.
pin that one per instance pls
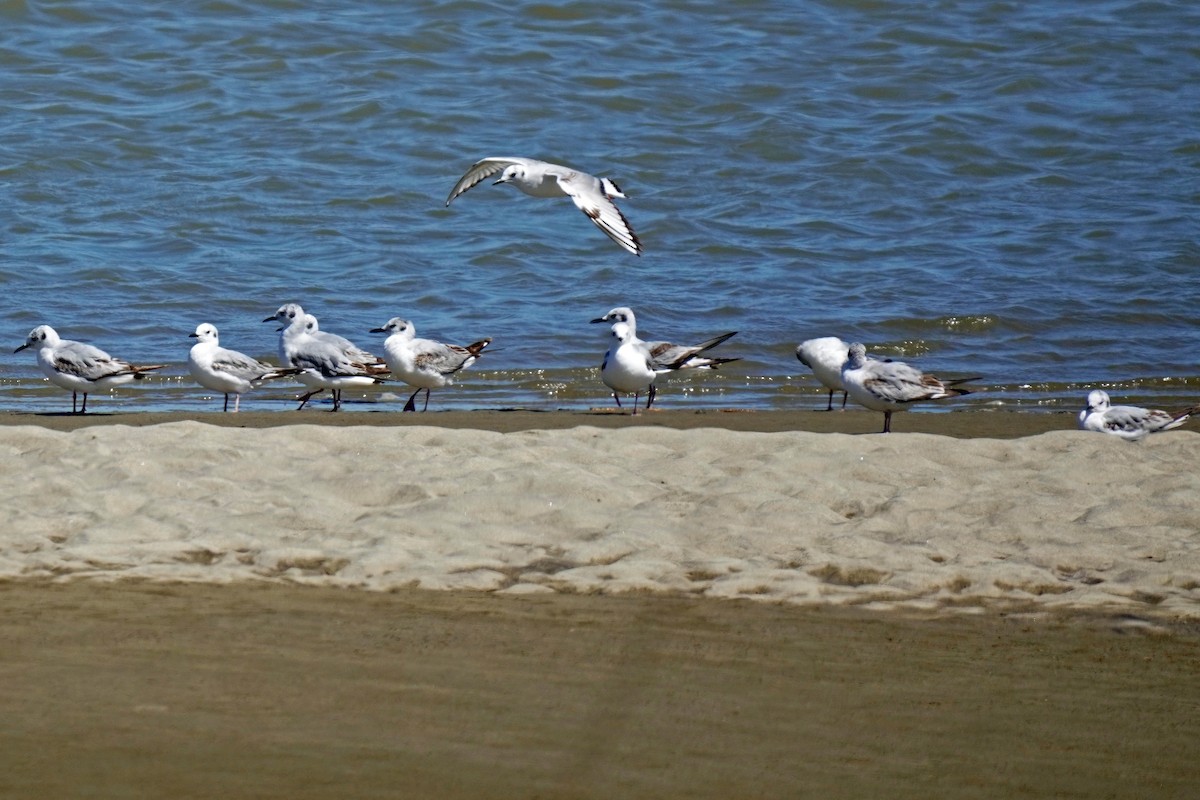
(825, 357)
(227, 371)
(591, 195)
(79, 367)
(424, 363)
(626, 366)
(665, 356)
(889, 386)
(1128, 422)
(374, 363)
(296, 325)
(325, 360)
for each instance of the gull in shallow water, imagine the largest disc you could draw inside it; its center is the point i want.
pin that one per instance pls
(79, 367)
(227, 371)
(825, 357)
(374, 364)
(622, 368)
(325, 360)
(1128, 422)
(297, 325)
(626, 367)
(424, 363)
(889, 386)
(591, 195)
(667, 356)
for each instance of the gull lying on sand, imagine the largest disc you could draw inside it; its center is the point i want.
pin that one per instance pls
(1128, 422)
(889, 386)
(79, 367)
(424, 363)
(591, 195)
(227, 371)
(325, 360)
(825, 357)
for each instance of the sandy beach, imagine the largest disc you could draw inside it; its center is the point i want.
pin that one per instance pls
(516, 604)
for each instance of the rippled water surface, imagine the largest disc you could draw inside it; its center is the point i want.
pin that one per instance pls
(1000, 189)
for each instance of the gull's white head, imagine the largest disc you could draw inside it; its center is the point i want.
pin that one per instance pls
(397, 327)
(621, 332)
(618, 314)
(41, 336)
(205, 333)
(1098, 401)
(511, 173)
(287, 313)
(856, 355)
(310, 324)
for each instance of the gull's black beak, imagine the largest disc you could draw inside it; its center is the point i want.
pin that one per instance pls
(22, 347)
(600, 319)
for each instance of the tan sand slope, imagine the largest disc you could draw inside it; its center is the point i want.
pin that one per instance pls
(137, 690)
(1064, 519)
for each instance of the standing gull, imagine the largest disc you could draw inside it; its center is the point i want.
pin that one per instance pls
(374, 364)
(825, 357)
(227, 371)
(626, 367)
(1128, 422)
(79, 367)
(662, 356)
(591, 195)
(889, 386)
(665, 355)
(424, 363)
(297, 327)
(325, 360)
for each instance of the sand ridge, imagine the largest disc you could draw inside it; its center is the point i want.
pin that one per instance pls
(1064, 519)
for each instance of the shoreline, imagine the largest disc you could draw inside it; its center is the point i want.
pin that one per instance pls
(955, 424)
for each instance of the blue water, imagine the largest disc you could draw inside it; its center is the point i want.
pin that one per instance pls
(1000, 189)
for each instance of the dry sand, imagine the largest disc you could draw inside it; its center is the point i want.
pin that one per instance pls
(1064, 519)
(648, 611)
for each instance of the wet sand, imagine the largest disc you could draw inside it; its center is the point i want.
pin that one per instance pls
(145, 690)
(957, 424)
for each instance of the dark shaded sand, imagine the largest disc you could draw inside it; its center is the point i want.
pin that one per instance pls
(959, 424)
(193, 691)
